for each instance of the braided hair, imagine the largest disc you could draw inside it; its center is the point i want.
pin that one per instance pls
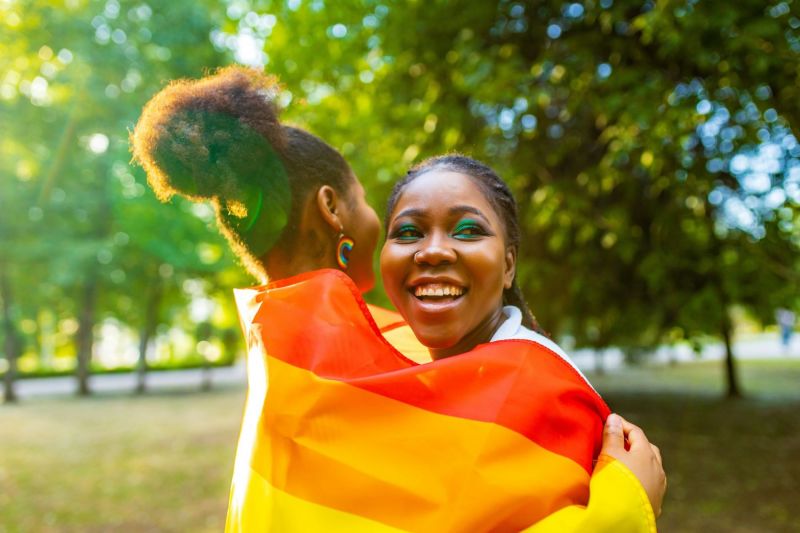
(496, 191)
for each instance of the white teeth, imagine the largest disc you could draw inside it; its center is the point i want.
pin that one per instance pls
(438, 289)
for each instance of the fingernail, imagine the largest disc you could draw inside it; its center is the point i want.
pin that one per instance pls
(614, 420)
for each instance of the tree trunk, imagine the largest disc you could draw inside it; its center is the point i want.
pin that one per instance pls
(85, 335)
(204, 332)
(205, 384)
(149, 322)
(46, 338)
(11, 345)
(599, 366)
(733, 389)
(141, 363)
(88, 309)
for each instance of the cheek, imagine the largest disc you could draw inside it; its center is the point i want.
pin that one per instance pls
(371, 229)
(390, 269)
(490, 271)
(366, 239)
(376, 230)
(384, 265)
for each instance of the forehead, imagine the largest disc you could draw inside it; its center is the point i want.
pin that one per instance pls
(437, 190)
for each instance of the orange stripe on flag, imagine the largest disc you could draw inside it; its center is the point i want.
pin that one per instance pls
(517, 384)
(340, 447)
(350, 429)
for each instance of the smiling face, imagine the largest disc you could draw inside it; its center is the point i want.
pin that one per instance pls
(445, 262)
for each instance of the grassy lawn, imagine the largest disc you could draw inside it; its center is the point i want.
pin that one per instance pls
(163, 462)
(732, 466)
(777, 379)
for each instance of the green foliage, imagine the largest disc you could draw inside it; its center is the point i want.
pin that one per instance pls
(75, 77)
(652, 146)
(617, 124)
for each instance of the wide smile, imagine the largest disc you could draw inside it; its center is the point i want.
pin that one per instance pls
(437, 296)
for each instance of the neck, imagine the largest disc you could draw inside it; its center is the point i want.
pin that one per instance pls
(282, 264)
(480, 335)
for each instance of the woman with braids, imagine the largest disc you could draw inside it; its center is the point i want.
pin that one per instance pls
(449, 266)
(341, 431)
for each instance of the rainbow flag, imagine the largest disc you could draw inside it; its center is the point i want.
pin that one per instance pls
(342, 432)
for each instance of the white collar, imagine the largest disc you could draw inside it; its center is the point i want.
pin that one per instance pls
(512, 328)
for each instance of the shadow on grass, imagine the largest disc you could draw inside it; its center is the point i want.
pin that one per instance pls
(732, 465)
(116, 458)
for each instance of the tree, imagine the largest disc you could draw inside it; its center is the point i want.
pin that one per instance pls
(11, 344)
(71, 102)
(652, 145)
(620, 125)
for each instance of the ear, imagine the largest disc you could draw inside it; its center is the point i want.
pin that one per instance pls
(329, 204)
(510, 267)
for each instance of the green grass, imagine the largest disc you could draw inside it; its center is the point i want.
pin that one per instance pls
(732, 465)
(97, 370)
(163, 462)
(777, 379)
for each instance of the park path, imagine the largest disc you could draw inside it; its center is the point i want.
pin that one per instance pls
(165, 380)
(760, 346)
(763, 346)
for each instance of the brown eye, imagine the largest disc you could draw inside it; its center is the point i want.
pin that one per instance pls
(406, 233)
(469, 229)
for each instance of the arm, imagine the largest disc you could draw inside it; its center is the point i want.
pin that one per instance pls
(622, 481)
(626, 487)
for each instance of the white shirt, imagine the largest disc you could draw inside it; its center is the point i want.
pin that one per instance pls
(512, 329)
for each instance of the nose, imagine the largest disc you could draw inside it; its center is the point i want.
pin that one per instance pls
(434, 252)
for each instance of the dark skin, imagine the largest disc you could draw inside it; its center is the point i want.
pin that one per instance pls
(456, 247)
(326, 211)
(324, 215)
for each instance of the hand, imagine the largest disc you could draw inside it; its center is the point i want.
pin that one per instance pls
(628, 444)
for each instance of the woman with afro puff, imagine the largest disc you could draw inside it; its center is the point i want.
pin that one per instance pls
(293, 211)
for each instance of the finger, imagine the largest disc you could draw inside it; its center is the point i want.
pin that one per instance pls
(613, 435)
(657, 453)
(634, 435)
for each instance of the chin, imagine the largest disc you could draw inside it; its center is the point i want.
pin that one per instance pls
(435, 342)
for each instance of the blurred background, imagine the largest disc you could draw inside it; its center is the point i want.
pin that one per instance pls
(652, 145)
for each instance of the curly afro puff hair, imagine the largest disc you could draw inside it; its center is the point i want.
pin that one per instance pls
(219, 139)
(192, 131)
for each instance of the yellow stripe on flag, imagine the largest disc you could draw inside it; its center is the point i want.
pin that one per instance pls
(341, 447)
(618, 503)
(265, 508)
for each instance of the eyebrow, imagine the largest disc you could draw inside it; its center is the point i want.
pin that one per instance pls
(410, 213)
(458, 209)
(455, 210)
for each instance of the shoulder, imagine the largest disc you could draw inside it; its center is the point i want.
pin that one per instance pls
(512, 329)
